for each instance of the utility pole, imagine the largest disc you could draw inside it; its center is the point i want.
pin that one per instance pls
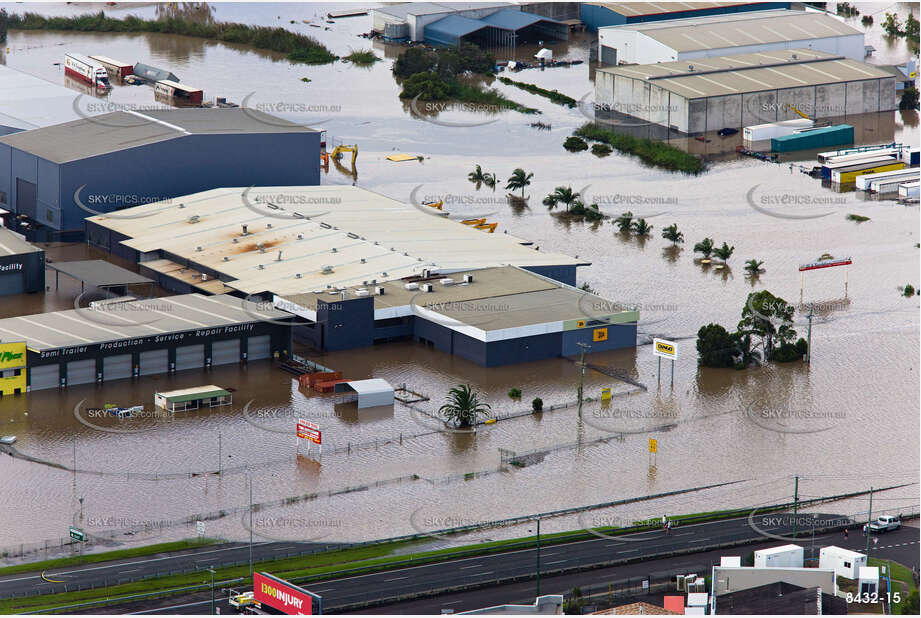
(211, 570)
(538, 556)
(220, 460)
(582, 347)
(809, 335)
(250, 525)
(795, 502)
(869, 519)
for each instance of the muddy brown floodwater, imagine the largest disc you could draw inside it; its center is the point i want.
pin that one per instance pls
(846, 422)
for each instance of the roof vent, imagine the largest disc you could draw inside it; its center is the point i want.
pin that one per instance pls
(226, 259)
(297, 275)
(300, 237)
(427, 287)
(268, 225)
(384, 274)
(235, 241)
(379, 291)
(364, 261)
(691, 68)
(793, 56)
(245, 229)
(327, 270)
(468, 278)
(260, 267)
(335, 250)
(181, 270)
(198, 248)
(278, 259)
(204, 277)
(181, 205)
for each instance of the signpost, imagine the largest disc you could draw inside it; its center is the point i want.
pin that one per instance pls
(77, 534)
(310, 432)
(665, 349)
(653, 450)
(200, 529)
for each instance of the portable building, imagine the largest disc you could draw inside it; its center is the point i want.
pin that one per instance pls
(909, 190)
(785, 556)
(845, 562)
(770, 130)
(868, 581)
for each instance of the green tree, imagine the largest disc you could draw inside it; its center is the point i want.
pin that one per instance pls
(716, 347)
(909, 99)
(672, 234)
(704, 247)
(624, 222)
(891, 26)
(641, 228)
(4, 25)
(519, 180)
(911, 604)
(426, 86)
(463, 406)
(724, 252)
(770, 318)
(476, 175)
(911, 29)
(753, 267)
(561, 195)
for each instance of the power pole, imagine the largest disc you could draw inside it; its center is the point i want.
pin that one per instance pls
(582, 347)
(250, 525)
(538, 556)
(869, 519)
(211, 570)
(795, 502)
(809, 335)
(220, 460)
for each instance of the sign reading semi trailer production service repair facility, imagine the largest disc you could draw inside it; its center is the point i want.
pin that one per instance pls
(283, 596)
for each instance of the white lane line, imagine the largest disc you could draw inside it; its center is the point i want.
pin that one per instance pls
(557, 561)
(627, 551)
(453, 602)
(324, 590)
(478, 574)
(684, 534)
(130, 571)
(395, 579)
(699, 540)
(472, 566)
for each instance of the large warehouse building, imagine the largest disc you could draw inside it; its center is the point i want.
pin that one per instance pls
(744, 33)
(743, 90)
(149, 337)
(22, 265)
(30, 102)
(54, 177)
(597, 15)
(453, 23)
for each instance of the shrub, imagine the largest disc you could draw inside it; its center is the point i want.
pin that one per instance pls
(649, 151)
(908, 291)
(857, 218)
(537, 405)
(515, 393)
(787, 352)
(801, 346)
(601, 150)
(575, 144)
(909, 99)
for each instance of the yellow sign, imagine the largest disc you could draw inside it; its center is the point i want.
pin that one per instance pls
(600, 334)
(580, 323)
(665, 349)
(606, 394)
(653, 445)
(12, 368)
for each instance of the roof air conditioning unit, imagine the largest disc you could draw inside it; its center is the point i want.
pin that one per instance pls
(468, 278)
(447, 281)
(226, 259)
(261, 267)
(362, 292)
(691, 68)
(268, 225)
(181, 205)
(364, 261)
(204, 277)
(300, 237)
(384, 274)
(379, 290)
(411, 286)
(297, 275)
(235, 241)
(335, 250)
(194, 219)
(327, 270)
(426, 287)
(425, 273)
(245, 229)
(198, 248)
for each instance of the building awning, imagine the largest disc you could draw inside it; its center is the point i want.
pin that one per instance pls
(99, 273)
(194, 394)
(371, 393)
(510, 19)
(452, 28)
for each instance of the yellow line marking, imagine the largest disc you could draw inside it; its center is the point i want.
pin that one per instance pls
(53, 581)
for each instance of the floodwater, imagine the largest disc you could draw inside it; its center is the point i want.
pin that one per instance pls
(845, 423)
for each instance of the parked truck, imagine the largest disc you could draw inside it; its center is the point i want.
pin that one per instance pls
(885, 523)
(85, 69)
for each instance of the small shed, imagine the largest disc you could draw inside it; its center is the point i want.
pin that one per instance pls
(185, 399)
(371, 393)
(845, 562)
(784, 556)
(544, 54)
(731, 561)
(868, 581)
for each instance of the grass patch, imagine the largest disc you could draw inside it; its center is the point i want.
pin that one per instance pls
(898, 573)
(554, 95)
(430, 86)
(857, 218)
(364, 58)
(650, 152)
(298, 47)
(118, 554)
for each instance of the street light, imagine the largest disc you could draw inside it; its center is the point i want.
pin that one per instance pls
(211, 570)
(538, 555)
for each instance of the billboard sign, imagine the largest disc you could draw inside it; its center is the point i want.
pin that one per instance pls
(280, 595)
(309, 431)
(665, 349)
(12, 355)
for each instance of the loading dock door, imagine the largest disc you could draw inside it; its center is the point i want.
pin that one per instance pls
(190, 357)
(25, 198)
(44, 376)
(225, 352)
(81, 371)
(259, 347)
(154, 361)
(116, 367)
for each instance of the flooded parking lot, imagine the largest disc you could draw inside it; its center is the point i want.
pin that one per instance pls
(857, 401)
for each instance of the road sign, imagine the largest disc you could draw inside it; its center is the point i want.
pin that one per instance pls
(200, 528)
(653, 445)
(665, 349)
(309, 431)
(77, 534)
(606, 394)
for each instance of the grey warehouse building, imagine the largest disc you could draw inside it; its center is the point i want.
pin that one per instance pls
(148, 337)
(708, 94)
(54, 177)
(22, 265)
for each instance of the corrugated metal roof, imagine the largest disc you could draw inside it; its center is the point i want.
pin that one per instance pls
(90, 137)
(30, 102)
(636, 9)
(746, 29)
(453, 27)
(509, 19)
(401, 10)
(722, 75)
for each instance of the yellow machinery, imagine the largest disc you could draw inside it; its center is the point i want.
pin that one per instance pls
(437, 204)
(473, 221)
(487, 226)
(336, 154)
(796, 110)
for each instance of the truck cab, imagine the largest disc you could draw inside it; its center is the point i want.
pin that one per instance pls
(102, 77)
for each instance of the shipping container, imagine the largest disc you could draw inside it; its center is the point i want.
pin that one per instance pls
(823, 157)
(814, 138)
(847, 176)
(911, 156)
(758, 132)
(180, 92)
(863, 155)
(830, 168)
(890, 186)
(87, 70)
(863, 182)
(909, 190)
(116, 68)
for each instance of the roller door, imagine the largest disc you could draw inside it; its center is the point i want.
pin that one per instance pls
(154, 361)
(116, 367)
(44, 376)
(190, 357)
(225, 352)
(81, 372)
(12, 283)
(259, 347)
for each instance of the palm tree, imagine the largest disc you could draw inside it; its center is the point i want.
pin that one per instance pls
(753, 267)
(519, 180)
(463, 406)
(564, 195)
(489, 180)
(704, 247)
(624, 222)
(476, 175)
(641, 227)
(671, 233)
(724, 252)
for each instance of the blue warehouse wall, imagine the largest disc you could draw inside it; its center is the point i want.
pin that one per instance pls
(564, 274)
(618, 336)
(6, 176)
(346, 324)
(523, 350)
(441, 336)
(186, 165)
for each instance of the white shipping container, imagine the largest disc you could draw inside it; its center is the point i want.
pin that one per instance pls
(889, 185)
(759, 132)
(784, 556)
(863, 182)
(909, 190)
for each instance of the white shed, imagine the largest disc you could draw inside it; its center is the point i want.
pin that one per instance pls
(868, 581)
(845, 562)
(783, 556)
(371, 393)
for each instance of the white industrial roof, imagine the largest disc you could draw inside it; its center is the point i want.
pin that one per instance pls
(401, 10)
(778, 550)
(753, 28)
(371, 386)
(635, 9)
(360, 235)
(30, 102)
(868, 572)
(841, 551)
(735, 74)
(12, 243)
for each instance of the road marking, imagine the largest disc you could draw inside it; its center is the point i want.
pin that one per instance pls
(699, 540)
(472, 566)
(627, 551)
(52, 581)
(452, 602)
(396, 579)
(684, 534)
(324, 590)
(130, 571)
(486, 573)
(557, 561)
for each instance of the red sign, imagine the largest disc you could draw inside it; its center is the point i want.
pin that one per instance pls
(281, 595)
(309, 431)
(825, 264)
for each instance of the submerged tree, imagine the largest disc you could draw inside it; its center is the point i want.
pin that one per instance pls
(672, 234)
(704, 247)
(519, 180)
(624, 222)
(463, 406)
